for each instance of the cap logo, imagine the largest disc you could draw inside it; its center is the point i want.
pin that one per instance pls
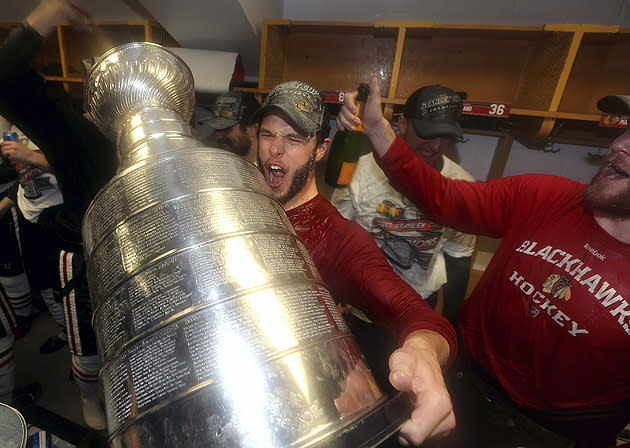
(305, 106)
(446, 102)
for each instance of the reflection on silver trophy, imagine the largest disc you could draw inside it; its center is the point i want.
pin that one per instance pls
(214, 326)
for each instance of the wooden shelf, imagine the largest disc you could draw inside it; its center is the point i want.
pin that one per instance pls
(601, 67)
(311, 51)
(546, 73)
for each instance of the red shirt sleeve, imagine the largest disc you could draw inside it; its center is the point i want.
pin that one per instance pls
(487, 208)
(360, 275)
(471, 207)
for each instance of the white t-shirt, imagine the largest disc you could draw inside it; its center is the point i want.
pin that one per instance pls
(38, 189)
(412, 243)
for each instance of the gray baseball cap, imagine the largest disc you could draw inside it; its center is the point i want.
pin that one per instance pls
(231, 108)
(300, 101)
(434, 110)
(615, 105)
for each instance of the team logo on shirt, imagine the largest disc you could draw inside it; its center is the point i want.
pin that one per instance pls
(389, 210)
(558, 285)
(405, 241)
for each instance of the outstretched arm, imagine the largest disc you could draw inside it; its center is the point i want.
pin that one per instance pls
(361, 275)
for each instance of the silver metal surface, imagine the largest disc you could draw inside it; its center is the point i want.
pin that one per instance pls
(214, 327)
(13, 429)
(137, 76)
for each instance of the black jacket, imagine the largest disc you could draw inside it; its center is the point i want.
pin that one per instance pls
(82, 158)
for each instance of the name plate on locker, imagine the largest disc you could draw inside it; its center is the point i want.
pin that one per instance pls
(489, 109)
(613, 121)
(498, 110)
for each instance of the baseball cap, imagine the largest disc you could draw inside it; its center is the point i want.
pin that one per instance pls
(231, 108)
(300, 101)
(434, 110)
(615, 105)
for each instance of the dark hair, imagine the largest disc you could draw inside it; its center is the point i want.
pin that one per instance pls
(324, 130)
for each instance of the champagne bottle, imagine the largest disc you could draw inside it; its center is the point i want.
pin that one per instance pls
(346, 147)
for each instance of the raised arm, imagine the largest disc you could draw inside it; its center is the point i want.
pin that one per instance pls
(82, 159)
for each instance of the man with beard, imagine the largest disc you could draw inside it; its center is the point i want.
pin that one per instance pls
(547, 329)
(293, 137)
(231, 119)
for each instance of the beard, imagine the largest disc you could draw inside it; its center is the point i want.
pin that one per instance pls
(300, 178)
(597, 197)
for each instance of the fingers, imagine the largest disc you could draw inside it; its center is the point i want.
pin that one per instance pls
(347, 118)
(402, 366)
(413, 432)
(432, 417)
(45, 17)
(359, 391)
(14, 151)
(82, 16)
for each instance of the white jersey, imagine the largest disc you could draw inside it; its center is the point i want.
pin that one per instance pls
(38, 189)
(413, 243)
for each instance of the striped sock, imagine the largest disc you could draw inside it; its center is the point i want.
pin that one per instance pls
(54, 307)
(18, 291)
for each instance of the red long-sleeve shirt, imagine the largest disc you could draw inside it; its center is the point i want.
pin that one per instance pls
(356, 271)
(550, 318)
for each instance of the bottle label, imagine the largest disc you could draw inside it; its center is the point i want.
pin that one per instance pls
(346, 172)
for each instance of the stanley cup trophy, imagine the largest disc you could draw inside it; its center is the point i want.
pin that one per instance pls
(214, 327)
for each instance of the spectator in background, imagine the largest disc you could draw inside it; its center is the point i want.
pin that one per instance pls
(231, 118)
(38, 199)
(424, 253)
(547, 329)
(13, 279)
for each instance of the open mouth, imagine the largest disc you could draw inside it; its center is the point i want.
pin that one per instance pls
(614, 172)
(275, 175)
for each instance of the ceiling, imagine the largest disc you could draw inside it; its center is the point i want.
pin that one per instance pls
(235, 25)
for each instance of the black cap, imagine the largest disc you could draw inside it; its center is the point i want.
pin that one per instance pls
(434, 110)
(615, 105)
(300, 101)
(231, 108)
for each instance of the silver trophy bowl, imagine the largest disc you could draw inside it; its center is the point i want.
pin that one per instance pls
(214, 327)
